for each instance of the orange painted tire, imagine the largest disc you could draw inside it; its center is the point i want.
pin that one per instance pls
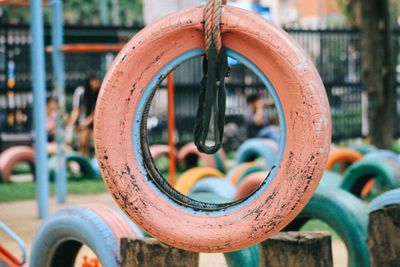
(189, 178)
(10, 157)
(250, 184)
(189, 155)
(121, 134)
(342, 155)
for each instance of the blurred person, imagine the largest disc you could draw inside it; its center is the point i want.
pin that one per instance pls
(82, 116)
(255, 118)
(51, 118)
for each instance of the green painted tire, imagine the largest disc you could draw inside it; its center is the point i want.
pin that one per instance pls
(364, 149)
(358, 175)
(85, 165)
(346, 214)
(249, 257)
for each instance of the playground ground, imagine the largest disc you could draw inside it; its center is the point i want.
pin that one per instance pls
(22, 217)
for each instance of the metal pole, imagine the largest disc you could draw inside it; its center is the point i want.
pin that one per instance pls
(115, 13)
(39, 107)
(104, 17)
(57, 39)
(171, 128)
(105, 21)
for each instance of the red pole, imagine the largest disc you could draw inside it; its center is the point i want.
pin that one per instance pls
(171, 128)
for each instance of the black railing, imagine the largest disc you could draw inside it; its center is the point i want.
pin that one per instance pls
(336, 54)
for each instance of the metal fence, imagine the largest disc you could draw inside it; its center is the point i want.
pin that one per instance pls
(336, 53)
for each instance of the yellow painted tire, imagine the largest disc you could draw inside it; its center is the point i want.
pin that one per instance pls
(189, 178)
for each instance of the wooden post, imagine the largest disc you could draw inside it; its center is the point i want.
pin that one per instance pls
(384, 237)
(298, 249)
(149, 252)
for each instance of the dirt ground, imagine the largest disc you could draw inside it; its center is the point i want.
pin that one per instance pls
(22, 217)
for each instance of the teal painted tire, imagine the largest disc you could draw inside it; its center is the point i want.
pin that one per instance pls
(61, 236)
(85, 165)
(96, 167)
(361, 172)
(331, 180)
(364, 149)
(346, 214)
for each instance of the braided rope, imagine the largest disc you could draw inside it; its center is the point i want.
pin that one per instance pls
(212, 27)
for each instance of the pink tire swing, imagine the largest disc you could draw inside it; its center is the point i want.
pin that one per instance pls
(121, 134)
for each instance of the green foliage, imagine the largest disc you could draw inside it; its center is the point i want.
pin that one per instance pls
(80, 12)
(347, 8)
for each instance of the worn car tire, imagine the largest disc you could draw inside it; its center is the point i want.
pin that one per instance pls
(121, 139)
(360, 173)
(10, 157)
(389, 198)
(346, 214)
(189, 178)
(216, 186)
(343, 156)
(61, 236)
(257, 148)
(189, 155)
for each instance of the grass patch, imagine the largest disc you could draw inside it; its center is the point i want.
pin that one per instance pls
(27, 190)
(317, 225)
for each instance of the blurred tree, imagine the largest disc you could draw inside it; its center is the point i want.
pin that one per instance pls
(378, 68)
(82, 12)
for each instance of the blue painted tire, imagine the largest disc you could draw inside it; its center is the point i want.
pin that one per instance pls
(346, 214)
(256, 148)
(383, 154)
(389, 198)
(61, 236)
(216, 186)
(270, 132)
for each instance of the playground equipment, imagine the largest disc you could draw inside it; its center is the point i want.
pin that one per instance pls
(331, 179)
(364, 149)
(343, 157)
(360, 173)
(250, 184)
(249, 257)
(86, 167)
(188, 157)
(345, 214)
(10, 157)
(189, 178)
(258, 148)
(384, 154)
(216, 186)
(62, 235)
(121, 138)
(388, 198)
(6, 257)
(239, 172)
